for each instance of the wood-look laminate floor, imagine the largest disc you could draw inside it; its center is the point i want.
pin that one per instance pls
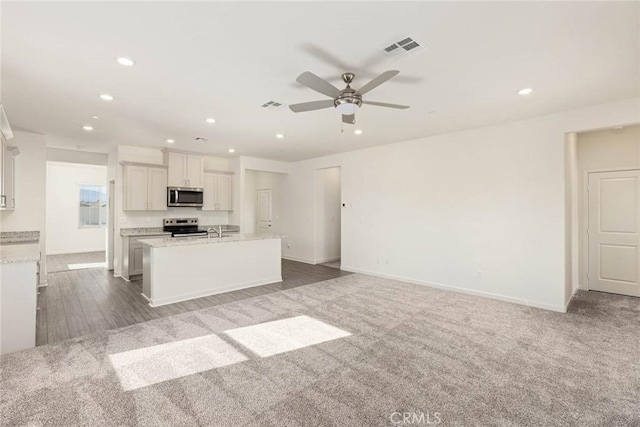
(80, 302)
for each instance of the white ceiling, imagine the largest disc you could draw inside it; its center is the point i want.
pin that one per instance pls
(223, 60)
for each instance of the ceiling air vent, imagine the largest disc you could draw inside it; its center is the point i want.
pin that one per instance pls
(402, 47)
(271, 105)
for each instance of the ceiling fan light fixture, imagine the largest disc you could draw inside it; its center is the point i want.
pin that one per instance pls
(347, 108)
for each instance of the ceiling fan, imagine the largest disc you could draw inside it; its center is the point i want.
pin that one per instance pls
(348, 100)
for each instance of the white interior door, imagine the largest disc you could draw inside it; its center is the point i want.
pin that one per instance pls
(264, 211)
(614, 232)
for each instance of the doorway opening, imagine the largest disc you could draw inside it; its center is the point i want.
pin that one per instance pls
(608, 206)
(77, 216)
(264, 217)
(263, 202)
(328, 221)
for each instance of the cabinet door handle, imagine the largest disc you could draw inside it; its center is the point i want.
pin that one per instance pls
(3, 201)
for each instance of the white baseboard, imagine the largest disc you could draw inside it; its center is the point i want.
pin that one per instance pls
(467, 291)
(306, 261)
(157, 302)
(322, 261)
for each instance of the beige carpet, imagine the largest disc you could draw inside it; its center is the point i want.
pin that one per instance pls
(352, 351)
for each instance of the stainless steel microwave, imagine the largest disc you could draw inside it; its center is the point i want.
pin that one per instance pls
(185, 196)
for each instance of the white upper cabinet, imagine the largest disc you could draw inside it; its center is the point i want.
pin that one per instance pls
(135, 188)
(210, 189)
(7, 165)
(157, 189)
(185, 170)
(224, 192)
(217, 192)
(177, 163)
(145, 188)
(195, 165)
(7, 176)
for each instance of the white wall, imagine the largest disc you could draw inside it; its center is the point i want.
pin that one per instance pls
(571, 216)
(63, 233)
(481, 211)
(327, 215)
(76, 156)
(30, 171)
(258, 180)
(602, 149)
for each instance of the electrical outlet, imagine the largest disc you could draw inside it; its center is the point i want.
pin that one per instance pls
(480, 274)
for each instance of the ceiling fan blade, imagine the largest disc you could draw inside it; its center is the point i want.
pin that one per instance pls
(310, 106)
(378, 81)
(314, 82)
(349, 119)
(384, 104)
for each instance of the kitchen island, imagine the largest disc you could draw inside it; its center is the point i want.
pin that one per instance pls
(179, 269)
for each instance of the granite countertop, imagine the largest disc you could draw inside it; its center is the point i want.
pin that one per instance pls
(19, 237)
(163, 242)
(143, 231)
(225, 227)
(156, 231)
(11, 254)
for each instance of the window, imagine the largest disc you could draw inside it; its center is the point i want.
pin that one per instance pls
(93, 206)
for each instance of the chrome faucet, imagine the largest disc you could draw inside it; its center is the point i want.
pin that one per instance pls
(218, 231)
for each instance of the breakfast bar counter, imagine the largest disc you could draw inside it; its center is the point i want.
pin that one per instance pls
(179, 269)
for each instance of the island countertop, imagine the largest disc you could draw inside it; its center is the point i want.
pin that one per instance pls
(28, 252)
(191, 241)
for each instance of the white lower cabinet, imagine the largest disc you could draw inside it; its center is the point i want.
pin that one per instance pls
(217, 191)
(145, 187)
(18, 302)
(132, 254)
(135, 258)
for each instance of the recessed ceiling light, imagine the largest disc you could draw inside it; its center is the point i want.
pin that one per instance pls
(279, 135)
(170, 141)
(87, 128)
(127, 62)
(231, 150)
(210, 120)
(95, 117)
(358, 131)
(525, 91)
(106, 97)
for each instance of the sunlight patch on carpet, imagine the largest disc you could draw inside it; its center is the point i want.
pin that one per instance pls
(164, 362)
(280, 336)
